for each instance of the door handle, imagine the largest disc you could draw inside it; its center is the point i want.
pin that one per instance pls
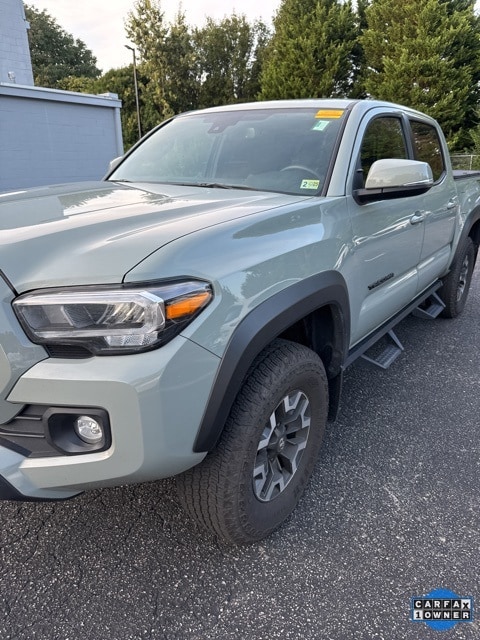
(451, 204)
(418, 216)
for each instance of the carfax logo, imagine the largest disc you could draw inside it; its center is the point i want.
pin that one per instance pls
(442, 609)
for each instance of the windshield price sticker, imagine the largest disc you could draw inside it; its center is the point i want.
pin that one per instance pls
(332, 114)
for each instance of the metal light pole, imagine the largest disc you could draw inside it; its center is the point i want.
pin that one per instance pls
(136, 89)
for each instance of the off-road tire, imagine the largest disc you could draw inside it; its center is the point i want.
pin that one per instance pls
(286, 386)
(456, 285)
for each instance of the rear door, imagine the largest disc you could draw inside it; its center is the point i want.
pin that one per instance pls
(440, 203)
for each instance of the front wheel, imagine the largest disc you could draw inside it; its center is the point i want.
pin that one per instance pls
(255, 477)
(456, 285)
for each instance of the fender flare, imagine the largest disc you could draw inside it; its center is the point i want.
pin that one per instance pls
(472, 218)
(257, 329)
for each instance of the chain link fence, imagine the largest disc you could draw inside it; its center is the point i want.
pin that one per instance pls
(465, 162)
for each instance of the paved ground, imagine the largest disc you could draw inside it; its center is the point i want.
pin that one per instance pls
(393, 511)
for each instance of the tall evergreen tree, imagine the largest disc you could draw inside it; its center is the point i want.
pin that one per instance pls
(357, 89)
(181, 67)
(311, 53)
(229, 52)
(425, 54)
(465, 50)
(55, 53)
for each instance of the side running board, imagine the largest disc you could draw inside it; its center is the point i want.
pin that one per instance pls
(390, 352)
(383, 347)
(430, 309)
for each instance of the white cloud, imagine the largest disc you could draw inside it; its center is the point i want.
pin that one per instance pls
(101, 24)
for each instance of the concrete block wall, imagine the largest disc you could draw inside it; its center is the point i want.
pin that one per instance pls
(49, 136)
(15, 62)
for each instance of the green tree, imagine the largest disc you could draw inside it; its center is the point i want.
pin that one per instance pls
(357, 90)
(146, 29)
(312, 51)
(422, 53)
(181, 67)
(229, 52)
(262, 36)
(55, 53)
(120, 81)
(79, 84)
(474, 148)
(459, 5)
(464, 48)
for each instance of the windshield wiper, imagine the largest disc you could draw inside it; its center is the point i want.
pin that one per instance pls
(222, 185)
(205, 185)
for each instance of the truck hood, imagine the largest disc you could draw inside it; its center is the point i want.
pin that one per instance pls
(94, 233)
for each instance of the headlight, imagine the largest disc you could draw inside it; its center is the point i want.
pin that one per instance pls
(112, 320)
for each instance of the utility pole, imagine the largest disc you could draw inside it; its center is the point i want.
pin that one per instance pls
(136, 89)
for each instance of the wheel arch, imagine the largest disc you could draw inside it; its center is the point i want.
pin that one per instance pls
(471, 228)
(474, 233)
(314, 312)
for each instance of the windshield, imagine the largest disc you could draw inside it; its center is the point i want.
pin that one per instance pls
(284, 150)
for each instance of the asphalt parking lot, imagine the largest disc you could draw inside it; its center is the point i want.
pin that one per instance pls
(393, 511)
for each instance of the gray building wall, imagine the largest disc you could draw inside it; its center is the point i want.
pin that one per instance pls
(49, 136)
(15, 62)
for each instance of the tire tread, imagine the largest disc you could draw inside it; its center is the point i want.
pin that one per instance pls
(205, 491)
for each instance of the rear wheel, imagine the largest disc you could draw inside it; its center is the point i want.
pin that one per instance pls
(255, 477)
(454, 291)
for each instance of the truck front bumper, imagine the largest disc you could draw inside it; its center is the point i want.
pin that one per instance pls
(154, 402)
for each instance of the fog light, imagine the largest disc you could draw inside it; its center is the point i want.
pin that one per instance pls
(88, 429)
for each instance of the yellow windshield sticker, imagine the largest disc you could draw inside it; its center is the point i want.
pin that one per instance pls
(310, 184)
(333, 114)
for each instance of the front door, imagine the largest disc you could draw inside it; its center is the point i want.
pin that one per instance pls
(387, 235)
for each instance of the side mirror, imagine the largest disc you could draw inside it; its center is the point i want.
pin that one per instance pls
(113, 164)
(395, 178)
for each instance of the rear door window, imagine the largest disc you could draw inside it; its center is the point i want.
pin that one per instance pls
(427, 147)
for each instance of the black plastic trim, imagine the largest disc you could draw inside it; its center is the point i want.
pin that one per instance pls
(258, 329)
(8, 492)
(472, 218)
(7, 281)
(363, 196)
(41, 431)
(60, 434)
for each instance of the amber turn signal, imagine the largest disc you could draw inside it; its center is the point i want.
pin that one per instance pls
(188, 306)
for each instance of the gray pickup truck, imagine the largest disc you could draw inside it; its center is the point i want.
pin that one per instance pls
(193, 313)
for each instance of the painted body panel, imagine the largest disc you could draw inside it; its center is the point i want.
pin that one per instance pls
(250, 245)
(154, 428)
(93, 233)
(17, 353)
